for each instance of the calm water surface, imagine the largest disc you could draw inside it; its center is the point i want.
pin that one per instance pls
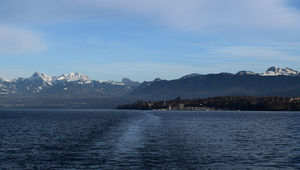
(112, 139)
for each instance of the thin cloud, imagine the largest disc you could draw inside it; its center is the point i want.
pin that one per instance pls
(201, 14)
(257, 52)
(15, 40)
(186, 15)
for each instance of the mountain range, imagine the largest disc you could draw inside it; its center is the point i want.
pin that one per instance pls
(66, 84)
(77, 90)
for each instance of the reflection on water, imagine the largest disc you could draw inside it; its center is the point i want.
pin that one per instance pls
(106, 139)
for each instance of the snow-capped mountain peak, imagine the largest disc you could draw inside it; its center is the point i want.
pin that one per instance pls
(276, 71)
(114, 82)
(73, 77)
(246, 73)
(42, 76)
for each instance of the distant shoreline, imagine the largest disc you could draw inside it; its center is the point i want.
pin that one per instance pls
(223, 103)
(99, 109)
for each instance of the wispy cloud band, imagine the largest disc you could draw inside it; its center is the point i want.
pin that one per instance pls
(184, 14)
(16, 40)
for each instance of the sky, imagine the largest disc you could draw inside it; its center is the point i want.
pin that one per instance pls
(143, 40)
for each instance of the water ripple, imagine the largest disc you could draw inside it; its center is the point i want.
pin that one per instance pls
(109, 139)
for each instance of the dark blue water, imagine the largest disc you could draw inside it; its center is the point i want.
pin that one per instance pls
(108, 139)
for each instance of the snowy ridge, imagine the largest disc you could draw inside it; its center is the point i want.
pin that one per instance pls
(72, 77)
(71, 84)
(276, 71)
(115, 83)
(40, 76)
(246, 73)
(272, 71)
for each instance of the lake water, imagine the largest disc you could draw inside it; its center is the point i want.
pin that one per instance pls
(113, 139)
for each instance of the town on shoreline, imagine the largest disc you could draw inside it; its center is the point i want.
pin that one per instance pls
(244, 103)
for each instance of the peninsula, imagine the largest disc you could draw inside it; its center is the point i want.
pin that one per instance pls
(245, 103)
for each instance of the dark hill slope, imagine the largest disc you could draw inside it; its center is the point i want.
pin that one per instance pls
(223, 84)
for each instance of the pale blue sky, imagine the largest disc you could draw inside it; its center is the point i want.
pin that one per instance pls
(142, 40)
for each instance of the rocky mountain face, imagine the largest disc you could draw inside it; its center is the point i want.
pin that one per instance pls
(130, 83)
